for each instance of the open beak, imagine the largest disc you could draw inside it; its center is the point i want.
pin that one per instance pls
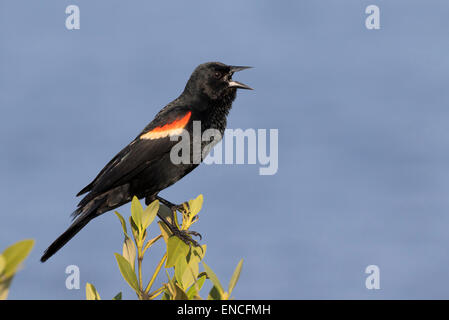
(236, 84)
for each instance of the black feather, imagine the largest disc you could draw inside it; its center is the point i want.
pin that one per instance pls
(74, 228)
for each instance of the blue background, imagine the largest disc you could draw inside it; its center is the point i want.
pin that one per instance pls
(363, 135)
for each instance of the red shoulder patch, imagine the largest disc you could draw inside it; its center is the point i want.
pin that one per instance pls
(169, 129)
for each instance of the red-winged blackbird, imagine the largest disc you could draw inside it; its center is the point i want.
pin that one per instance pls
(144, 168)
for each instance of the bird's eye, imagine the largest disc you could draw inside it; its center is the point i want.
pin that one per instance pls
(217, 75)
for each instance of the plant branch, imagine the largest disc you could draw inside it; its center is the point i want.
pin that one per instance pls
(156, 272)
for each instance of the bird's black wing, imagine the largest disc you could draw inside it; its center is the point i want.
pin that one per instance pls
(149, 145)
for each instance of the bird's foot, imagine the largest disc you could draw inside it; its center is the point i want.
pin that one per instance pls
(186, 236)
(183, 207)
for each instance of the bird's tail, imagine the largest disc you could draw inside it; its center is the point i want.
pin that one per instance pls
(85, 215)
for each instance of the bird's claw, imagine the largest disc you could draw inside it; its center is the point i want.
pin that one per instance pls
(181, 208)
(195, 234)
(185, 236)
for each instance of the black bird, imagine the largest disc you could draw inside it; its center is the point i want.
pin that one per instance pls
(144, 167)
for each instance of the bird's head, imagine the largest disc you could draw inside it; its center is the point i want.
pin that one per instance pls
(214, 80)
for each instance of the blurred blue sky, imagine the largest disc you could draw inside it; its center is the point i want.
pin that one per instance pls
(362, 116)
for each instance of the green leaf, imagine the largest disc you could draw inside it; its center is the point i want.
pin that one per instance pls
(5, 283)
(129, 251)
(193, 268)
(180, 269)
(2, 264)
(123, 223)
(118, 296)
(150, 213)
(179, 294)
(176, 248)
(213, 277)
(170, 285)
(134, 229)
(195, 205)
(137, 212)
(175, 292)
(215, 294)
(200, 282)
(196, 287)
(184, 273)
(91, 292)
(165, 296)
(127, 272)
(165, 231)
(15, 254)
(196, 254)
(235, 277)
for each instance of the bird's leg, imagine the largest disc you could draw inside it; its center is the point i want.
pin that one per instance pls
(172, 206)
(184, 235)
(179, 207)
(181, 234)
